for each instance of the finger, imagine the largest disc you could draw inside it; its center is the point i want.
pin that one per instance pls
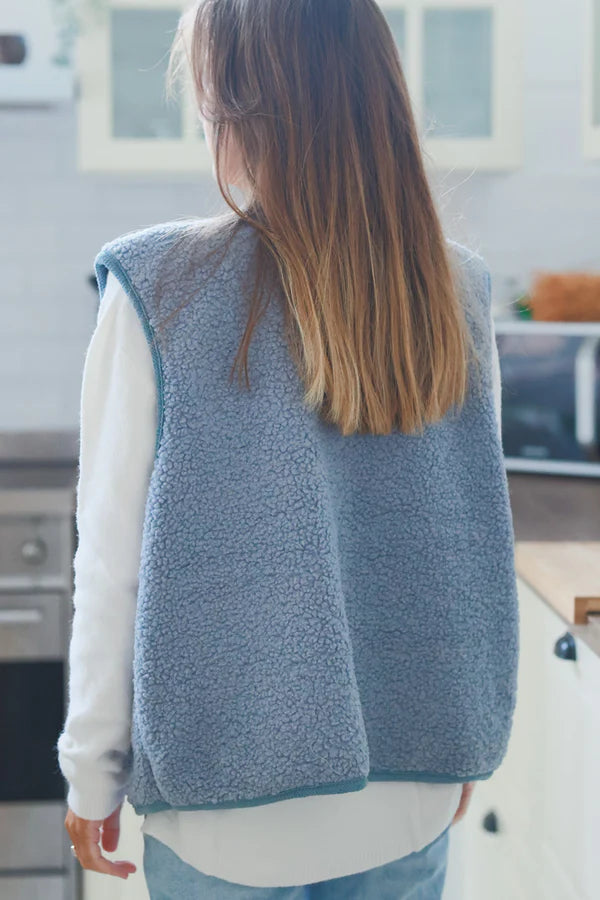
(110, 831)
(110, 838)
(461, 806)
(91, 857)
(459, 813)
(465, 798)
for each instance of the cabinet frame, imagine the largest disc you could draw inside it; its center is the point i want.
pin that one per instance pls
(98, 150)
(504, 149)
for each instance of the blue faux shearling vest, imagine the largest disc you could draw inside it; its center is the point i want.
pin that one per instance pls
(314, 611)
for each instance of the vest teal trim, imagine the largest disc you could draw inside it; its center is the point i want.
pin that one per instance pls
(341, 787)
(314, 610)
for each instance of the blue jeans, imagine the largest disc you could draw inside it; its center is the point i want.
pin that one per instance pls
(418, 876)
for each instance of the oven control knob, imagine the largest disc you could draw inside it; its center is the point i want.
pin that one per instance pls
(34, 551)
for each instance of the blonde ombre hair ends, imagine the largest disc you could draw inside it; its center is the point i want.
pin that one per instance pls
(313, 95)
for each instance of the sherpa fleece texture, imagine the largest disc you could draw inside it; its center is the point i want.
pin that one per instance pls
(314, 611)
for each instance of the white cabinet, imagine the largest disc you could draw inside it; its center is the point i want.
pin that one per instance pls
(462, 61)
(35, 44)
(463, 64)
(591, 82)
(126, 120)
(545, 797)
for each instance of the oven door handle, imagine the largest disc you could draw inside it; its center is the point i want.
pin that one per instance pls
(585, 391)
(20, 616)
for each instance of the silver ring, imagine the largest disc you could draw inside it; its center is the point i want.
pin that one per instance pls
(73, 851)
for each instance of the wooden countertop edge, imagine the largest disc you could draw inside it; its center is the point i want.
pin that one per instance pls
(589, 633)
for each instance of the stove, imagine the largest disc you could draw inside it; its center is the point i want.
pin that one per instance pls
(38, 473)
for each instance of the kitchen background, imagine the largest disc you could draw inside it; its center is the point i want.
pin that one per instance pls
(507, 94)
(541, 212)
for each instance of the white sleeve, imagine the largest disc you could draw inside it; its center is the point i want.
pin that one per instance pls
(118, 416)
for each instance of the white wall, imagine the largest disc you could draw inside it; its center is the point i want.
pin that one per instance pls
(53, 220)
(545, 215)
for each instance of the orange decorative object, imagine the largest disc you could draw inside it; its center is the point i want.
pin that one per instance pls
(565, 297)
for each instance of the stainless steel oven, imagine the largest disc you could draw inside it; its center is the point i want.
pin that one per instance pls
(37, 539)
(550, 396)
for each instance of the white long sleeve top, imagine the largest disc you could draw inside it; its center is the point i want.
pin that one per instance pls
(295, 841)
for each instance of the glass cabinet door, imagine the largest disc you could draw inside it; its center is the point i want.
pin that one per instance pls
(396, 19)
(462, 62)
(457, 72)
(461, 59)
(126, 121)
(139, 45)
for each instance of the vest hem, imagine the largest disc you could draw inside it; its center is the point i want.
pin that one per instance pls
(337, 787)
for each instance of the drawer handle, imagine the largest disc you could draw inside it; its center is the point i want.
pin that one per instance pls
(20, 616)
(34, 551)
(490, 822)
(565, 647)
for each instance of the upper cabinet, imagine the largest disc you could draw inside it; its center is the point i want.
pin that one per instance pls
(591, 82)
(462, 61)
(463, 64)
(126, 120)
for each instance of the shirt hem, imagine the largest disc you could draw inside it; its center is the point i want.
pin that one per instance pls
(309, 876)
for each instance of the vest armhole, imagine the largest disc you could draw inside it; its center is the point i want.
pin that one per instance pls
(105, 262)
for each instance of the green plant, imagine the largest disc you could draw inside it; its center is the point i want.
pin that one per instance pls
(523, 306)
(66, 16)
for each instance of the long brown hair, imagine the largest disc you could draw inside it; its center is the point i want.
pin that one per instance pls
(313, 94)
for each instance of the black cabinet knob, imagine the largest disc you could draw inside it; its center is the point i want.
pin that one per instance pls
(565, 647)
(490, 822)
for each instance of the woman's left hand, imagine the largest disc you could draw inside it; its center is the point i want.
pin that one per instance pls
(465, 796)
(85, 835)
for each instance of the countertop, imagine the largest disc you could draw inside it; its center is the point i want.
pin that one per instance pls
(564, 510)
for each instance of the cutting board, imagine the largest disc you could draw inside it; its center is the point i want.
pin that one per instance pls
(565, 573)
